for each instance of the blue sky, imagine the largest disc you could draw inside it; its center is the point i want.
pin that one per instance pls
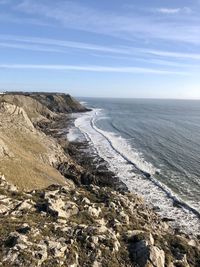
(115, 48)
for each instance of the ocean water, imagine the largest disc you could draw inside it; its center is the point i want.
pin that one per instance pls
(154, 147)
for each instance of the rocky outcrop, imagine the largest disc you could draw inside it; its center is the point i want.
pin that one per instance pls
(33, 108)
(16, 111)
(44, 103)
(58, 102)
(85, 226)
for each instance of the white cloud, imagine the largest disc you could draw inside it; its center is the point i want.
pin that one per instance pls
(174, 54)
(169, 10)
(91, 68)
(117, 52)
(185, 10)
(30, 47)
(58, 43)
(136, 26)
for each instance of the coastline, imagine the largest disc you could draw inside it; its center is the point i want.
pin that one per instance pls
(174, 209)
(90, 220)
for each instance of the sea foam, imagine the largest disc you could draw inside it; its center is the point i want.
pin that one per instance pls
(129, 165)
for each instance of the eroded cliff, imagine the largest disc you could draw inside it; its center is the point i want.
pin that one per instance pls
(56, 211)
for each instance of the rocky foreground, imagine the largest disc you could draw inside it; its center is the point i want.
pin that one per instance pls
(57, 211)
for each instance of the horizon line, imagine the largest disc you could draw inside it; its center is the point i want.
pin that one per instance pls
(103, 97)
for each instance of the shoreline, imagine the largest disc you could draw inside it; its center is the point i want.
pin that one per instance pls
(177, 203)
(88, 219)
(93, 164)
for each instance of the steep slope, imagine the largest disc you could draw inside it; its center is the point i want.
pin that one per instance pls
(34, 109)
(27, 156)
(58, 102)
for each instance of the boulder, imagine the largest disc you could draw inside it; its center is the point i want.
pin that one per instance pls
(57, 248)
(60, 208)
(27, 204)
(143, 252)
(156, 256)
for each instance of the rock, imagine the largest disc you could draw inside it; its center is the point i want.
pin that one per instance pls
(62, 221)
(24, 229)
(116, 244)
(140, 253)
(21, 246)
(156, 256)
(68, 187)
(182, 261)
(165, 226)
(26, 205)
(52, 192)
(147, 255)
(11, 257)
(94, 212)
(102, 229)
(133, 233)
(86, 201)
(41, 254)
(72, 259)
(96, 264)
(137, 235)
(5, 184)
(151, 239)
(60, 208)
(94, 241)
(194, 243)
(124, 218)
(6, 204)
(3, 209)
(12, 239)
(12, 188)
(112, 205)
(13, 109)
(57, 249)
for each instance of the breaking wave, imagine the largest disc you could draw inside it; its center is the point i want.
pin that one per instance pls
(139, 175)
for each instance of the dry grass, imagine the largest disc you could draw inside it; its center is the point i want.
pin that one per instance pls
(28, 165)
(29, 174)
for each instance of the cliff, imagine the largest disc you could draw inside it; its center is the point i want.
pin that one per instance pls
(57, 208)
(28, 157)
(56, 102)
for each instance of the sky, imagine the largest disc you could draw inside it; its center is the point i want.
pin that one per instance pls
(101, 48)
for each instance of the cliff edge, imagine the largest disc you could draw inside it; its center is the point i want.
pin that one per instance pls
(56, 211)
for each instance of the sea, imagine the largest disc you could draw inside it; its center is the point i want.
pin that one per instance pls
(153, 146)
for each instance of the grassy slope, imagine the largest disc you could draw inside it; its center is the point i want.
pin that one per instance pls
(27, 159)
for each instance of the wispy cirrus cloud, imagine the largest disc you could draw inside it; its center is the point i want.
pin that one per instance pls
(77, 16)
(62, 44)
(30, 47)
(171, 54)
(120, 52)
(91, 68)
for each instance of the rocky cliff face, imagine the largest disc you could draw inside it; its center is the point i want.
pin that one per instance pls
(45, 102)
(61, 103)
(33, 108)
(56, 211)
